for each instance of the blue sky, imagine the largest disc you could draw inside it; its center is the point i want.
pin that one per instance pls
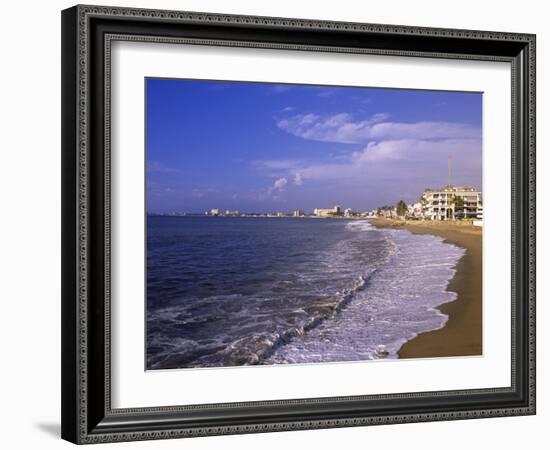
(260, 147)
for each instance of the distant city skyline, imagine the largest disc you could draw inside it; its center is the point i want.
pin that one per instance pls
(264, 147)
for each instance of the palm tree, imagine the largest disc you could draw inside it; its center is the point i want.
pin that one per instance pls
(401, 208)
(458, 205)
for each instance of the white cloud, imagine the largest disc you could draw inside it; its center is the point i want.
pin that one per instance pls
(409, 153)
(424, 130)
(278, 186)
(369, 161)
(280, 183)
(417, 151)
(342, 128)
(414, 149)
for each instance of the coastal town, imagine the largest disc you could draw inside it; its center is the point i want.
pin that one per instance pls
(448, 203)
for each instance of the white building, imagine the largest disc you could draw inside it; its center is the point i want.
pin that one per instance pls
(386, 212)
(452, 203)
(480, 212)
(322, 212)
(214, 212)
(415, 210)
(298, 213)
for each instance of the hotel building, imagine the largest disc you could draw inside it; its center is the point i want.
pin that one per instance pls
(452, 203)
(320, 212)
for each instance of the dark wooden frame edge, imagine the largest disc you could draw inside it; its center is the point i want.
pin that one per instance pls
(87, 416)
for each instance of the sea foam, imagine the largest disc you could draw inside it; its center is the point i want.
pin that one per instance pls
(261, 291)
(398, 303)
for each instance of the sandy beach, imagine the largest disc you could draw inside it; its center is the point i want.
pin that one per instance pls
(462, 334)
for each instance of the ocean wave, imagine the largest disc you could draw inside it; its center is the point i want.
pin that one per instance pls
(360, 225)
(326, 291)
(245, 350)
(400, 302)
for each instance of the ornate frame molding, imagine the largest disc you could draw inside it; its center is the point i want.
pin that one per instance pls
(87, 423)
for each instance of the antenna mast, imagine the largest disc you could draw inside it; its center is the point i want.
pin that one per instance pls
(449, 172)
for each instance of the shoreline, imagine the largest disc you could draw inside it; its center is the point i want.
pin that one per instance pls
(462, 334)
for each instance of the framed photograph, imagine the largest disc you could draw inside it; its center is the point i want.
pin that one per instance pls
(277, 224)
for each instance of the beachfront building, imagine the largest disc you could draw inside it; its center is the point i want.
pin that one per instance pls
(229, 212)
(451, 203)
(214, 212)
(387, 212)
(371, 213)
(348, 212)
(298, 213)
(328, 212)
(415, 211)
(480, 212)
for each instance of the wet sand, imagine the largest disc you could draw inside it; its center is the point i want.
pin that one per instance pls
(462, 334)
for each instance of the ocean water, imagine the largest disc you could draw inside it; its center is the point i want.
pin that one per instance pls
(227, 291)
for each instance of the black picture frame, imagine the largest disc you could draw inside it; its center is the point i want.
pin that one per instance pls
(87, 416)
